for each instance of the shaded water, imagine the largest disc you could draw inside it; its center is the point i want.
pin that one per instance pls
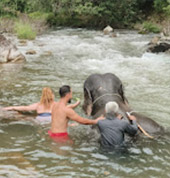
(25, 148)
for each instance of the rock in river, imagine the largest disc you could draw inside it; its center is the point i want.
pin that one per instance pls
(158, 45)
(31, 52)
(107, 30)
(9, 52)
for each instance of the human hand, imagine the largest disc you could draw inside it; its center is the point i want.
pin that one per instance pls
(100, 118)
(78, 102)
(8, 108)
(131, 117)
(74, 105)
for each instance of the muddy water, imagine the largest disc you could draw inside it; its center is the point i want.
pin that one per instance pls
(69, 56)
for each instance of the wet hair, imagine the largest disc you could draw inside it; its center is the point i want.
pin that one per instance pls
(64, 90)
(47, 97)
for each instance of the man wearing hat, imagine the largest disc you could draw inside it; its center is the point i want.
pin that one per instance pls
(113, 128)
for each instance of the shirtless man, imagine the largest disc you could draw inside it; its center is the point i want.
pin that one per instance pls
(62, 113)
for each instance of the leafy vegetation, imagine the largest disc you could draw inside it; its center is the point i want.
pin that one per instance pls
(167, 10)
(87, 13)
(24, 31)
(150, 27)
(159, 5)
(39, 15)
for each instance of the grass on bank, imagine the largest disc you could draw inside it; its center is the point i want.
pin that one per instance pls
(24, 31)
(150, 27)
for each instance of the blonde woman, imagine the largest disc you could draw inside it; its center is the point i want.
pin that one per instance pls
(43, 108)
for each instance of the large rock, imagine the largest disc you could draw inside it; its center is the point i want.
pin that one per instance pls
(158, 45)
(9, 52)
(107, 30)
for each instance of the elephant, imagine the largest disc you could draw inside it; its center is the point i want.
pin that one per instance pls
(9, 52)
(102, 88)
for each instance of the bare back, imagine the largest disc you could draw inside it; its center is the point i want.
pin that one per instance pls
(62, 113)
(59, 118)
(42, 109)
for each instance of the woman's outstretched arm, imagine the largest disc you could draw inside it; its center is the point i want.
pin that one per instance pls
(31, 107)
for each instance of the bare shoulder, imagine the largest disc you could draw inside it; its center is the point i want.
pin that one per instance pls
(55, 104)
(37, 105)
(69, 111)
(34, 105)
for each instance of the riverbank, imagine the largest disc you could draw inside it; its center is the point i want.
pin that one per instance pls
(33, 17)
(25, 26)
(154, 24)
(28, 26)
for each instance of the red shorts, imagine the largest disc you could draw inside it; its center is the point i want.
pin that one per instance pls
(54, 135)
(59, 137)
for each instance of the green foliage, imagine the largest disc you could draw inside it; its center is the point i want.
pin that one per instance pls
(92, 13)
(159, 5)
(167, 10)
(39, 15)
(39, 5)
(86, 13)
(88, 8)
(24, 31)
(150, 27)
(12, 7)
(8, 16)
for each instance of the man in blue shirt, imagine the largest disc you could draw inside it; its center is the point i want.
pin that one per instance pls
(112, 128)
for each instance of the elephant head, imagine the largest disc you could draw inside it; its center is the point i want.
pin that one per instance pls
(100, 89)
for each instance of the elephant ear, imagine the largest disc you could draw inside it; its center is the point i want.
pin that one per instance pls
(87, 106)
(121, 93)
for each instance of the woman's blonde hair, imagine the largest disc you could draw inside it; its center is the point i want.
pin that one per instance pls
(47, 97)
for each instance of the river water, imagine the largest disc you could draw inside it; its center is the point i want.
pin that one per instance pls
(69, 56)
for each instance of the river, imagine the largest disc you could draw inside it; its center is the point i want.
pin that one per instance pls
(69, 56)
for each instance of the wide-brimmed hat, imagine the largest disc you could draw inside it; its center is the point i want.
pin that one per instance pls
(111, 107)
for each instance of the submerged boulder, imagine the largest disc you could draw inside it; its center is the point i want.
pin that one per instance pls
(31, 52)
(9, 52)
